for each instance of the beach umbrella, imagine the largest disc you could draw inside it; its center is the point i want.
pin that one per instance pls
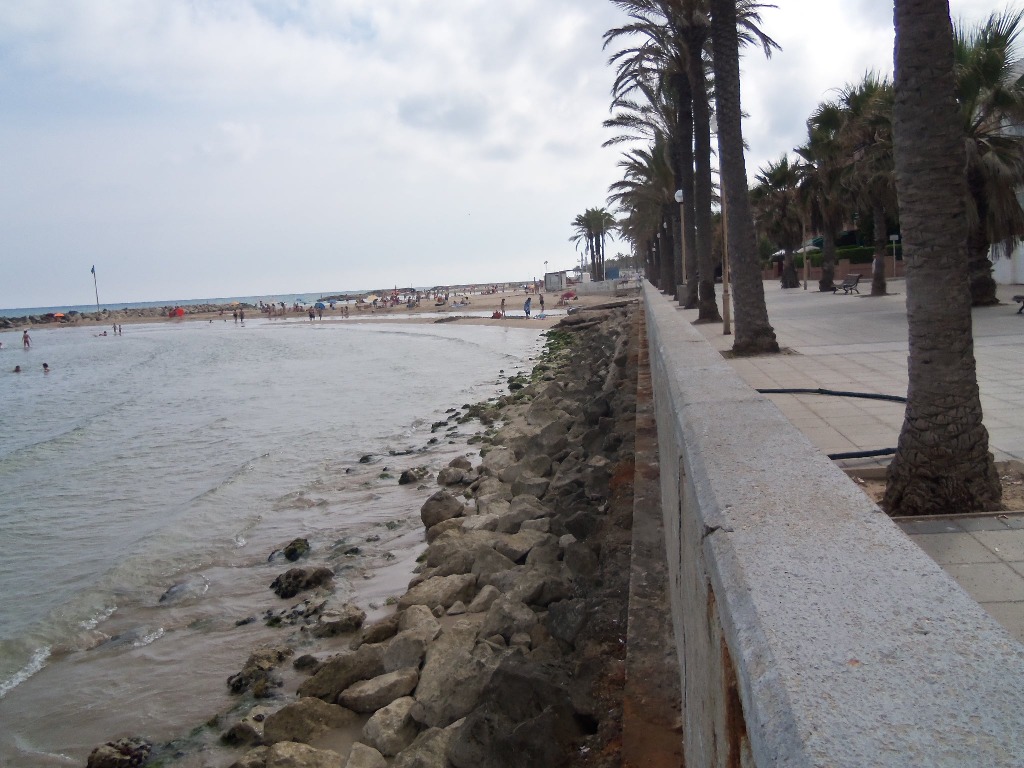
(320, 305)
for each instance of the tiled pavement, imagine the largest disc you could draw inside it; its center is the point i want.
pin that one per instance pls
(859, 343)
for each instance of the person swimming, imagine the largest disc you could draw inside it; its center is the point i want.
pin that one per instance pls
(17, 369)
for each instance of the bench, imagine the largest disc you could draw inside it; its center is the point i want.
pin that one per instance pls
(849, 285)
(1020, 300)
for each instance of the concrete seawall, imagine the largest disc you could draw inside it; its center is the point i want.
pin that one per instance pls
(810, 630)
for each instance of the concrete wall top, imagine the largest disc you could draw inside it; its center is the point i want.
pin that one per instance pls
(852, 647)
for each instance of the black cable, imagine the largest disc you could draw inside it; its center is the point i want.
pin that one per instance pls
(835, 393)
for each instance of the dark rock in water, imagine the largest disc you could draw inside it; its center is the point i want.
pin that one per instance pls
(192, 587)
(406, 452)
(133, 637)
(296, 549)
(123, 753)
(241, 734)
(257, 674)
(413, 475)
(366, 459)
(296, 580)
(305, 662)
(246, 620)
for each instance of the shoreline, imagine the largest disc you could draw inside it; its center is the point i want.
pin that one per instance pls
(532, 505)
(425, 313)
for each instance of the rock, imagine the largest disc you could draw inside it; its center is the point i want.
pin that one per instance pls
(379, 631)
(371, 695)
(362, 756)
(306, 662)
(493, 488)
(483, 600)
(530, 484)
(254, 758)
(440, 590)
(305, 720)
(290, 754)
(429, 750)
(496, 460)
(257, 673)
(523, 507)
(296, 580)
(413, 475)
(525, 719)
(296, 549)
(123, 753)
(416, 616)
(450, 476)
(461, 462)
(506, 617)
(452, 524)
(581, 560)
(391, 729)
(481, 522)
(567, 618)
(440, 507)
(347, 618)
(542, 524)
(241, 734)
(193, 587)
(339, 672)
(518, 546)
(408, 648)
(458, 608)
(487, 561)
(454, 672)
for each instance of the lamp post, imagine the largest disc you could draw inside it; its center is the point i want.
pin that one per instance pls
(681, 290)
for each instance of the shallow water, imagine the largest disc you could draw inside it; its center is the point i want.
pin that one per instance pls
(181, 455)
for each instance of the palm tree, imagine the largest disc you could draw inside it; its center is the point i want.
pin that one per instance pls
(778, 211)
(990, 91)
(942, 463)
(591, 228)
(753, 332)
(866, 133)
(820, 183)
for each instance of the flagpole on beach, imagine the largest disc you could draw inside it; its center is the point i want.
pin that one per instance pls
(96, 286)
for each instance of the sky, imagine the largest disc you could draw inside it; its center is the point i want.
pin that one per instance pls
(217, 148)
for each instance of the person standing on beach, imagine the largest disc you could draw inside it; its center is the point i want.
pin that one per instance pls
(502, 306)
(235, 315)
(526, 305)
(26, 340)
(542, 302)
(241, 316)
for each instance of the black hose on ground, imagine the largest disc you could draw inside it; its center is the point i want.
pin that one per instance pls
(834, 393)
(841, 393)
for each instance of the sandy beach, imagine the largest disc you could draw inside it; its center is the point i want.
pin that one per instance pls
(478, 311)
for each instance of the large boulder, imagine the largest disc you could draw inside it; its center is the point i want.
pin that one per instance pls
(530, 484)
(416, 616)
(496, 460)
(379, 631)
(391, 729)
(487, 561)
(506, 617)
(290, 754)
(339, 620)
(517, 546)
(487, 595)
(451, 476)
(440, 507)
(296, 549)
(123, 753)
(363, 756)
(523, 507)
(305, 720)
(296, 580)
(339, 672)
(454, 672)
(429, 750)
(257, 675)
(440, 590)
(408, 648)
(525, 719)
(371, 695)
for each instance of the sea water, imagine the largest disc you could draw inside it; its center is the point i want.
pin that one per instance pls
(146, 479)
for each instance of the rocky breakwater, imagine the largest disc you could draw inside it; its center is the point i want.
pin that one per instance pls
(508, 648)
(120, 315)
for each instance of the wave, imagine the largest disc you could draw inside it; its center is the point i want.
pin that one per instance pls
(36, 663)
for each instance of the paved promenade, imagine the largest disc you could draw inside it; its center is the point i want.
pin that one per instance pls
(859, 343)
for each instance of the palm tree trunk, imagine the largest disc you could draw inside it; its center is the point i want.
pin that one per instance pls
(790, 279)
(752, 332)
(828, 257)
(707, 304)
(668, 251)
(878, 287)
(942, 462)
(983, 287)
(684, 179)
